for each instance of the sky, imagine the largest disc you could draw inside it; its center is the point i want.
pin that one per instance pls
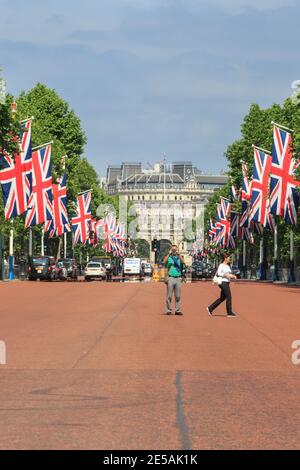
(154, 77)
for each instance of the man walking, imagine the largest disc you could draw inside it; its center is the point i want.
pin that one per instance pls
(174, 263)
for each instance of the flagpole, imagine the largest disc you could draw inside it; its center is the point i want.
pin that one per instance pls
(42, 243)
(42, 145)
(65, 244)
(261, 260)
(244, 258)
(11, 253)
(263, 150)
(276, 274)
(25, 120)
(30, 242)
(86, 191)
(292, 278)
(282, 127)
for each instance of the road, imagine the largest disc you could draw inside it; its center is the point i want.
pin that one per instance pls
(100, 366)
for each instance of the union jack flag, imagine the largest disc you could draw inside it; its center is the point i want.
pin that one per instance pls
(224, 210)
(81, 222)
(212, 231)
(235, 225)
(15, 175)
(246, 197)
(40, 200)
(95, 224)
(60, 222)
(284, 199)
(257, 228)
(246, 235)
(270, 225)
(113, 234)
(238, 232)
(120, 240)
(260, 186)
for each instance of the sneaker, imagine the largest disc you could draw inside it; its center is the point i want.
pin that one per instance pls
(168, 313)
(231, 314)
(209, 312)
(178, 313)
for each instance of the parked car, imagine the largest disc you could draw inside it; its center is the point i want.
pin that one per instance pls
(197, 270)
(61, 270)
(236, 271)
(71, 267)
(94, 270)
(42, 267)
(147, 269)
(207, 270)
(107, 263)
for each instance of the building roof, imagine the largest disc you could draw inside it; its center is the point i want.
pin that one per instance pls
(211, 179)
(153, 178)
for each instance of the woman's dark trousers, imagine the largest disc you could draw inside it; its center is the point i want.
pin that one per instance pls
(225, 294)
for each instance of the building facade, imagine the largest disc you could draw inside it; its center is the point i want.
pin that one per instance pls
(165, 199)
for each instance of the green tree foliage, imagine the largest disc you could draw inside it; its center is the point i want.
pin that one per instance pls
(257, 129)
(53, 121)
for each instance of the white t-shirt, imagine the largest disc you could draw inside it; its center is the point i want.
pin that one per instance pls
(222, 270)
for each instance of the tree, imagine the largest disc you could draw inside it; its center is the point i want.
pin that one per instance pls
(53, 121)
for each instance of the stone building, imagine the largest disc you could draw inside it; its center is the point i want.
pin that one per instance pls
(165, 198)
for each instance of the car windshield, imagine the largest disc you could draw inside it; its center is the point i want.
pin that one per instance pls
(40, 261)
(94, 265)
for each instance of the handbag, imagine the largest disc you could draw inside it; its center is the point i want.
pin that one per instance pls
(217, 279)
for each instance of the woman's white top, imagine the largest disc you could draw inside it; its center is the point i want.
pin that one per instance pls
(222, 270)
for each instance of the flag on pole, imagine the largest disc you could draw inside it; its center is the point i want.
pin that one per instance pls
(60, 222)
(246, 196)
(15, 175)
(260, 186)
(81, 222)
(40, 201)
(284, 200)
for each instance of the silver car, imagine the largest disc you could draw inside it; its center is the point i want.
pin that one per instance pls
(94, 270)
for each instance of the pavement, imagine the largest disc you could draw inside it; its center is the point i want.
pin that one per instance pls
(100, 366)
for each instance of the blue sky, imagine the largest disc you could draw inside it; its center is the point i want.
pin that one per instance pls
(149, 77)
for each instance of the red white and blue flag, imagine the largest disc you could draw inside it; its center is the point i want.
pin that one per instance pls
(113, 234)
(246, 197)
(270, 225)
(224, 223)
(60, 222)
(284, 199)
(40, 200)
(81, 221)
(235, 230)
(260, 186)
(15, 175)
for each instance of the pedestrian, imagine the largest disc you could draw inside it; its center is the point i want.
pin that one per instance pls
(174, 263)
(225, 275)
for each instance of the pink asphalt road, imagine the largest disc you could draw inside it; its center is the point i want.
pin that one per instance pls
(99, 366)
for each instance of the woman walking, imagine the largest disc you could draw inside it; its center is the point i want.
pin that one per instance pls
(225, 275)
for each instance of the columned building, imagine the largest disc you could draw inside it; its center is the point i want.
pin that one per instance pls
(165, 199)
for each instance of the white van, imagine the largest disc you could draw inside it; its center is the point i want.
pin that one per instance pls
(132, 266)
